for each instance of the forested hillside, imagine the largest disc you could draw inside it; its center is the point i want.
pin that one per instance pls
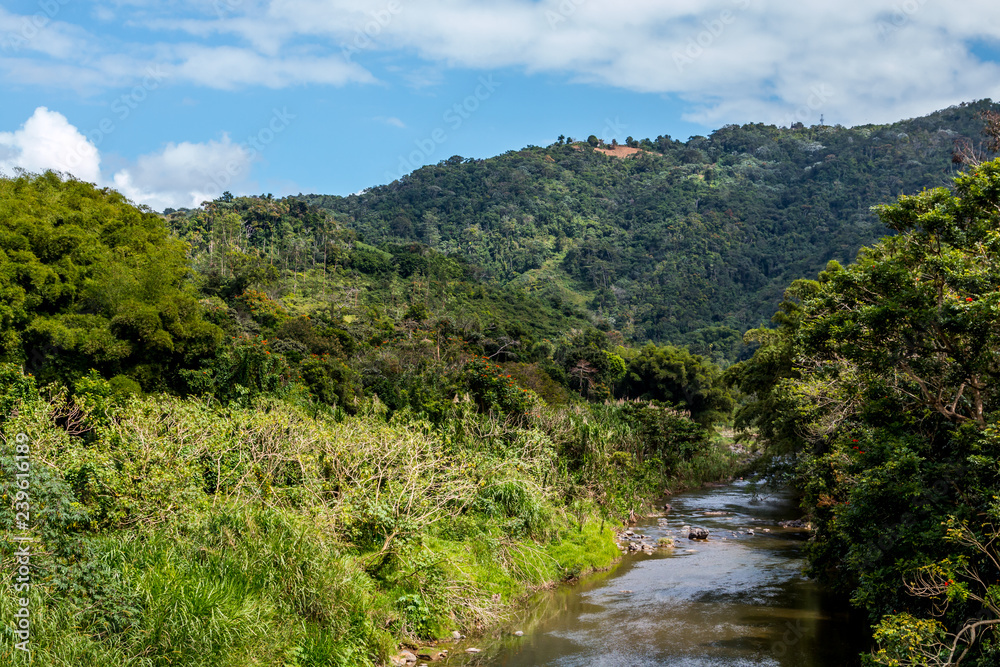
(243, 436)
(305, 431)
(686, 242)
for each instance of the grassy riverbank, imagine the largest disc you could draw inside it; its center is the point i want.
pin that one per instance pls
(180, 532)
(253, 439)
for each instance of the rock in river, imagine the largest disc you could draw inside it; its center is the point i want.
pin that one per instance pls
(698, 534)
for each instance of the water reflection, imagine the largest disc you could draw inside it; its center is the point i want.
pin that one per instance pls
(737, 599)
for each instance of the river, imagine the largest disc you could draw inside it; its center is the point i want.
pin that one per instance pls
(737, 599)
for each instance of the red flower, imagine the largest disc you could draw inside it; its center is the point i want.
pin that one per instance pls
(968, 298)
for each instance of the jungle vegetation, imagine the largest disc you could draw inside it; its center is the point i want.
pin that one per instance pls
(303, 431)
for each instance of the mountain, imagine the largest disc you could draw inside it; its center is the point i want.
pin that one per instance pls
(683, 242)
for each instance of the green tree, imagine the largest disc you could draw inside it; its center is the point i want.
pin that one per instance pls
(880, 380)
(674, 375)
(89, 281)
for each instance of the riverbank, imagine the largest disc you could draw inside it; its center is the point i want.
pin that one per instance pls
(736, 599)
(174, 530)
(533, 606)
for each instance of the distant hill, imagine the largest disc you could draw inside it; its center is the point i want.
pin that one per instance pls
(685, 242)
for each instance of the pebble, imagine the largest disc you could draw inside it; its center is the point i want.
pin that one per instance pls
(473, 650)
(455, 634)
(518, 634)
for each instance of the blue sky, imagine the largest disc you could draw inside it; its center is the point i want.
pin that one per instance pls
(174, 102)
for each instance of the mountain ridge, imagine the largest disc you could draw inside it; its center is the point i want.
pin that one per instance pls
(685, 242)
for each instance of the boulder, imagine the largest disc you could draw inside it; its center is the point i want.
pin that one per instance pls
(429, 654)
(698, 534)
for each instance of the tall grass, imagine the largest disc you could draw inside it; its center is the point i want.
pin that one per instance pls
(176, 532)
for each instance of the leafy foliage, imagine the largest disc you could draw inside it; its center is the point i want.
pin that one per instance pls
(878, 389)
(89, 281)
(685, 242)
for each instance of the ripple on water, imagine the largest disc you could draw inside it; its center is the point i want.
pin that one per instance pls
(733, 603)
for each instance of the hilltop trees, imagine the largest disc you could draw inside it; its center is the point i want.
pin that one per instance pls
(679, 241)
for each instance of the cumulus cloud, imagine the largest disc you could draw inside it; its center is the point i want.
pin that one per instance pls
(180, 175)
(48, 141)
(185, 174)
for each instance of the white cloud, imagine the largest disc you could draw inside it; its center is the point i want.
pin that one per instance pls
(185, 174)
(392, 120)
(727, 59)
(41, 32)
(48, 141)
(179, 175)
(230, 67)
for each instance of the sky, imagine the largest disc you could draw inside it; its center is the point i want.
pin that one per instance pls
(173, 102)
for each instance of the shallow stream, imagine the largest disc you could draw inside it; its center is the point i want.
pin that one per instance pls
(737, 599)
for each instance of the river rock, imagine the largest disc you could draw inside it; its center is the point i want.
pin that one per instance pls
(473, 650)
(455, 634)
(698, 534)
(519, 634)
(429, 654)
(407, 656)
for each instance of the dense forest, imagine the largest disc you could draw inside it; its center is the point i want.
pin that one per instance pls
(308, 430)
(684, 242)
(876, 396)
(233, 446)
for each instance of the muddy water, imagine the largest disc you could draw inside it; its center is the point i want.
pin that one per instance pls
(735, 600)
